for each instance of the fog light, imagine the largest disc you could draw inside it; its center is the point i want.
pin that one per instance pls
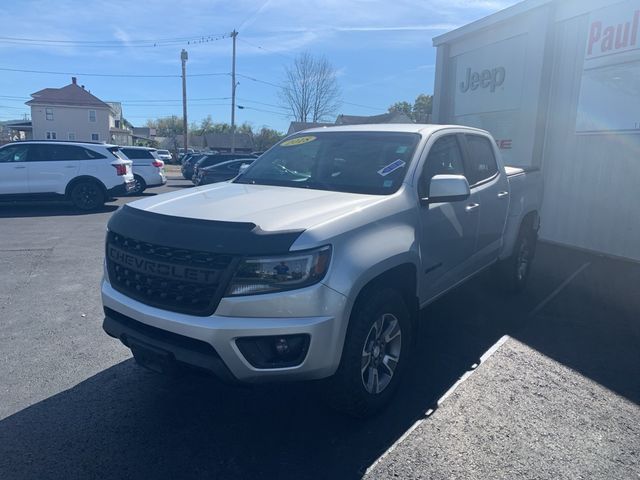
(277, 351)
(282, 346)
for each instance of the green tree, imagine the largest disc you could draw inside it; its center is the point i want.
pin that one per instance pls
(420, 111)
(403, 107)
(422, 108)
(266, 138)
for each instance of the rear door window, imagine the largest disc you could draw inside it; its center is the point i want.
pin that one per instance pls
(56, 153)
(481, 160)
(135, 153)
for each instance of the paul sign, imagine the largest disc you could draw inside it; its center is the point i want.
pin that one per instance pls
(616, 32)
(490, 79)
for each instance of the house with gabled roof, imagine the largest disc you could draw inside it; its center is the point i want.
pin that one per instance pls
(73, 113)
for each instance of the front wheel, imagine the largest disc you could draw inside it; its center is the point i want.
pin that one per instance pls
(87, 195)
(375, 354)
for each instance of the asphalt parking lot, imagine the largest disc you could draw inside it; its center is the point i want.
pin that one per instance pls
(550, 381)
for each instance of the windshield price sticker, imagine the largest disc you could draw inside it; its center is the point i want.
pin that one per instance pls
(392, 167)
(298, 141)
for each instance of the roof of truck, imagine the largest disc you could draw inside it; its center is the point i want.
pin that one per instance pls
(388, 127)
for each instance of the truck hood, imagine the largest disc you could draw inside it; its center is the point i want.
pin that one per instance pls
(272, 208)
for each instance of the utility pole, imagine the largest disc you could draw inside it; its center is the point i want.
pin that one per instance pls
(234, 34)
(184, 56)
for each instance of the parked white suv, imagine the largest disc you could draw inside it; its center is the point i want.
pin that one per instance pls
(87, 174)
(164, 155)
(148, 169)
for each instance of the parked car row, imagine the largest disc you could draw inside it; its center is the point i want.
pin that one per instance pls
(214, 167)
(85, 173)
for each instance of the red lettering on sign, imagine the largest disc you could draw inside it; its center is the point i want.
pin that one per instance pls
(611, 38)
(504, 144)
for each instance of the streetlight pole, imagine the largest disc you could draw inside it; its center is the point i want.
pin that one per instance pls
(184, 56)
(234, 34)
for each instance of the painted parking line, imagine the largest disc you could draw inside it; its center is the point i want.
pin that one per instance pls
(555, 293)
(474, 367)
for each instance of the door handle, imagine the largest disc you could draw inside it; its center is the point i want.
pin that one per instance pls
(20, 166)
(503, 194)
(472, 207)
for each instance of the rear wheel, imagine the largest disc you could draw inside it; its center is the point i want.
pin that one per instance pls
(139, 185)
(87, 195)
(374, 355)
(514, 271)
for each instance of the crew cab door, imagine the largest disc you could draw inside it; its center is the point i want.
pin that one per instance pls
(13, 169)
(52, 166)
(447, 230)
(490, 184)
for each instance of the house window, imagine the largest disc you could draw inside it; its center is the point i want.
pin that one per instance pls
(95, 137)
(48, 113)
(72, 136)
(92, 115)
(50, 135)
(117, 123)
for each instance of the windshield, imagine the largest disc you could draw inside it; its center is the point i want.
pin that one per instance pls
(356, 162)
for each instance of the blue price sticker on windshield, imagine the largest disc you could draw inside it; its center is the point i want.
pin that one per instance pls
(392, 167)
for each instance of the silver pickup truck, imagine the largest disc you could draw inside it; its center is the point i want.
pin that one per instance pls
(315, 262)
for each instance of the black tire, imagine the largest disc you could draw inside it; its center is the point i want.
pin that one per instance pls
(350, 389)
(140, 185)
(514, 272)
(87, 195)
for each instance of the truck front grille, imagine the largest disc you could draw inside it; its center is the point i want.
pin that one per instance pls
(179, 280)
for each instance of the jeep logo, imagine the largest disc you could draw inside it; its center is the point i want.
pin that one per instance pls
(490, 79)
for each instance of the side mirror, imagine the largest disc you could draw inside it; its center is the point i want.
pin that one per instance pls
(448, 188)
(243, 167)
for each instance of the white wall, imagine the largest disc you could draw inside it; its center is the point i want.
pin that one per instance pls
(560, 92)
(67, 120)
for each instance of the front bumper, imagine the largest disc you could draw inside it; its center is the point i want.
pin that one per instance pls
(235, 318)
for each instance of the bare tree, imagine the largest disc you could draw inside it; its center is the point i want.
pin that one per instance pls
(310, 90)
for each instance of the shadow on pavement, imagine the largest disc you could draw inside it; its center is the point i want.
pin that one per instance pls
(125, 422)
(593, 327)
(47, 209)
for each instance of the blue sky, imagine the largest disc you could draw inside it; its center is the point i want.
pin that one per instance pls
(380, 48)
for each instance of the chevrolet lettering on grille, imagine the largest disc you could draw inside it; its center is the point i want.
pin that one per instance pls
(151, 267)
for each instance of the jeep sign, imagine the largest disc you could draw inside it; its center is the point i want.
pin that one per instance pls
(485, 79)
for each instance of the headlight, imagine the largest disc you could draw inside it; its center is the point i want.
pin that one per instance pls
(276, 274)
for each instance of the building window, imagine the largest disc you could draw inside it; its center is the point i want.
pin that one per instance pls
(95, 137)
(117, 123)
(51, 135)
(72, 136)
(92, 115)
(48, 113)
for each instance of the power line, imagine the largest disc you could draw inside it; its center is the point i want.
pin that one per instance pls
(262, 110)
(113, 75)
(288, 57)
(193, 40)
(285, 88)
(262, 103)
(144, 105)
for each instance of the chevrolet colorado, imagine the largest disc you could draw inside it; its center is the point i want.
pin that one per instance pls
(314, 262)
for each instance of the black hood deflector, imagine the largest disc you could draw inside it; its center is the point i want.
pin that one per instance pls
(231, 238)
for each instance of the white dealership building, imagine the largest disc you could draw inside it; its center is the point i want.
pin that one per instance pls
(557, 82)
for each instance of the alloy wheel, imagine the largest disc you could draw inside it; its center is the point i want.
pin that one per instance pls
(381, 353)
